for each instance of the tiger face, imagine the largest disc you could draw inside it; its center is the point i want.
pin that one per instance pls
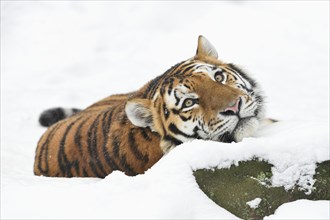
(201, 98)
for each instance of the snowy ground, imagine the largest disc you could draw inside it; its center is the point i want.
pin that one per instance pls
(74, 53)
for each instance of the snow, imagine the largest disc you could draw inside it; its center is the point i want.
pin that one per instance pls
(302, 209)
(254, 203)
(72, 54)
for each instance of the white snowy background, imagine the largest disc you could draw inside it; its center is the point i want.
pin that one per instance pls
(71, 54)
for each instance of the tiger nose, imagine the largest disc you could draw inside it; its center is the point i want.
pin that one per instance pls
(233, 107)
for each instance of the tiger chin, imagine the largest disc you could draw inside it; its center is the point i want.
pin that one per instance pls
(199, 98)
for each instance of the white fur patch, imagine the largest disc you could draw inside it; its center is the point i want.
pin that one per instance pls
(67, 112)
(138, 114)
(246, 128)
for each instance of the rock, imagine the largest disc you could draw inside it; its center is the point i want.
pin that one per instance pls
(232, 188)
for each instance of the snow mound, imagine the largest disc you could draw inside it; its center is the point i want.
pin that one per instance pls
(293, 148)
(302, 209)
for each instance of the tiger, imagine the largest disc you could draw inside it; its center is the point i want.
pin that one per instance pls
(199, 98)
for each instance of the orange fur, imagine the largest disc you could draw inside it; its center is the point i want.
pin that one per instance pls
(55, 147)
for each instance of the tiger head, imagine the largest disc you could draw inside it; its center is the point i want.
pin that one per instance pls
(201, 98)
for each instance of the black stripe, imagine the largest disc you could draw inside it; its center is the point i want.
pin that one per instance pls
(85, 172)
(186, 85)
(76, 167)
(122, 159)
(77, 136)
(173, 140)
(180, 69)
(176, 98)
(221, 126)
(43, 154)
(175, 111)
(115, 147)
(259, 99)
(189, 68)
(152, 93)
(162, 88)
(92, 146)
(95, 138)
(64, 164)
(106, 129)
(173, 128)
(246, 107)
(173, 71)
(159, 111)
(235, 77)
(256, 112)
(105, 125)
(124, 119)
(184, 118)
(242, 74)
(167, 82)
(134, 148)
(170, 86)
(127, 168)
(195, 132)
(144, 134)
(153, 84)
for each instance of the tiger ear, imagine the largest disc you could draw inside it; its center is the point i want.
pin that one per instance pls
(139, 113)
(205, 48)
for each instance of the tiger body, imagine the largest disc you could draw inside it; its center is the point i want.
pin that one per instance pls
(91, 143)
(200, 98)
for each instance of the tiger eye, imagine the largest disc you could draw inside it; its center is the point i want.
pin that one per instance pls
(218, 76)
(188, 103)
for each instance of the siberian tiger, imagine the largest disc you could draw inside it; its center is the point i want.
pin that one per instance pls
(200, 98)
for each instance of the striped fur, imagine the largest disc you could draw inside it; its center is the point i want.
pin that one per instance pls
(201, 98)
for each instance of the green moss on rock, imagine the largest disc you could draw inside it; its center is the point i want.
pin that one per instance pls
(232, 188)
